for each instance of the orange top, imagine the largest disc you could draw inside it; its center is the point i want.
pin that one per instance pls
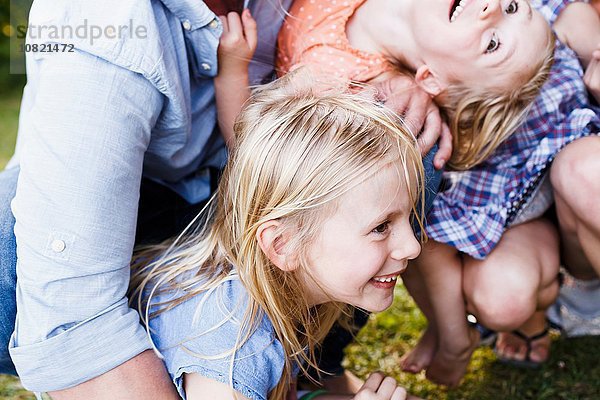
(314, 34)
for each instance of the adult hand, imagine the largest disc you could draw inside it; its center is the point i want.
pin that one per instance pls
(380, 387)
(237, 43)
(592, 75)
(401, 94)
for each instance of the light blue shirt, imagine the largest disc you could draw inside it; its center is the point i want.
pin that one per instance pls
(92, 123)
(198, 336)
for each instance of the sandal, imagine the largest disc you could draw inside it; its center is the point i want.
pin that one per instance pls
(527, 362)
(487, 337)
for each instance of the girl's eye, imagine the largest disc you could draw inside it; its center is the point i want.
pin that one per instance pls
(381, 228)
(512, 8)
(493, 45)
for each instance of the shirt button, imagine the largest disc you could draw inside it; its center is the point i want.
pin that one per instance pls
(213, 24)
(187, 25)
(205, 66)
(58, 246)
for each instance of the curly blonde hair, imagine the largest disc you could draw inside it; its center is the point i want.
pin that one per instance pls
(297, 152)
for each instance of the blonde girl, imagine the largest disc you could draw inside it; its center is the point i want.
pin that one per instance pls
(469, 55)
(312, 213)
(489, 234)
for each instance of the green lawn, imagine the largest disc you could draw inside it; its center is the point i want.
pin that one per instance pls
(9, 114)
(573, 372)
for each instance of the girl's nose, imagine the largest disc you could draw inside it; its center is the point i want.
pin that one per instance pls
(406, 247)
(490, 9)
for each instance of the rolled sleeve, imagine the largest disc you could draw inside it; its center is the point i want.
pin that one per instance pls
(88, 126)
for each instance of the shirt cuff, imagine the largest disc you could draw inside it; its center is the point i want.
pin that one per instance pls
(85, 351)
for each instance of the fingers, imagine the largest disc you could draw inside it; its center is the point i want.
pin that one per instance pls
(381, 387)
(387, 388)
(239, 37)
(444, 148)
(431, 130)
(399, 393)
(250, 31)
(417, 111)
(224, 23)
(372, 383)
(235, 25)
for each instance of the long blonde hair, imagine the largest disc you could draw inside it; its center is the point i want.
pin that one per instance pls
(297, 151)
(482, 118)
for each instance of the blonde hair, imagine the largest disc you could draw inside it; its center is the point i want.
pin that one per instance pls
(481, 119)
(297, 152)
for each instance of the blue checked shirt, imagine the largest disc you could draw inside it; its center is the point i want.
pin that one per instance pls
(477, 205)
(92, 123)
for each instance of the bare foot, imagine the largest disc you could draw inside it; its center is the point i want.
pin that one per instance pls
(510, 346)
(448, 368)
(420, 357)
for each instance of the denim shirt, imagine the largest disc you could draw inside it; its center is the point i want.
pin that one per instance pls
(202, 335)
(92, 123)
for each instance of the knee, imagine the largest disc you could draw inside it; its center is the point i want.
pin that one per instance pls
(575, 174)
(503, 307)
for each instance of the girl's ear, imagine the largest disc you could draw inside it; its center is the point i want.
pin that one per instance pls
(274, 245)
(428, 81)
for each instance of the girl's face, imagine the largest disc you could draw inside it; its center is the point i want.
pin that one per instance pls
(365, 245)
(482, 42)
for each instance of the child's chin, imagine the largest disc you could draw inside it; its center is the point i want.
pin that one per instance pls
(382, 306)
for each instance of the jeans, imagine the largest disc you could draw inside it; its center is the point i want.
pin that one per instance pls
(8, 263)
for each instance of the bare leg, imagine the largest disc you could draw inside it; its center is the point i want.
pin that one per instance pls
(420, 357)
(575, 177)
(512, 287)
(440, 267)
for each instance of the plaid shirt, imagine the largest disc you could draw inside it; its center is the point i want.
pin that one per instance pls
(477, 205)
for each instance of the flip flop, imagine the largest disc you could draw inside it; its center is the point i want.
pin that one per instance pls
(487, 337)
(527, 362)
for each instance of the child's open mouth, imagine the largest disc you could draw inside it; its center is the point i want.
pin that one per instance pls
(385, 281)
(457, 7)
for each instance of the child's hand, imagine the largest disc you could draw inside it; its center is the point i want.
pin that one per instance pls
(237, 43)
(592, 75)
(380, 387)
(402, 95)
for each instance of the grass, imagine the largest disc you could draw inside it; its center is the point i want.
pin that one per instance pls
(572, 373)
(9, 114)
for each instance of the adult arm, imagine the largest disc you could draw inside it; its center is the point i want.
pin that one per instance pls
(88, 125)
(142, 377)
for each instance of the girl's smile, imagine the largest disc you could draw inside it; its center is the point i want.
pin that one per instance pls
(386, 281)
(456, 7)
(365, 245)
